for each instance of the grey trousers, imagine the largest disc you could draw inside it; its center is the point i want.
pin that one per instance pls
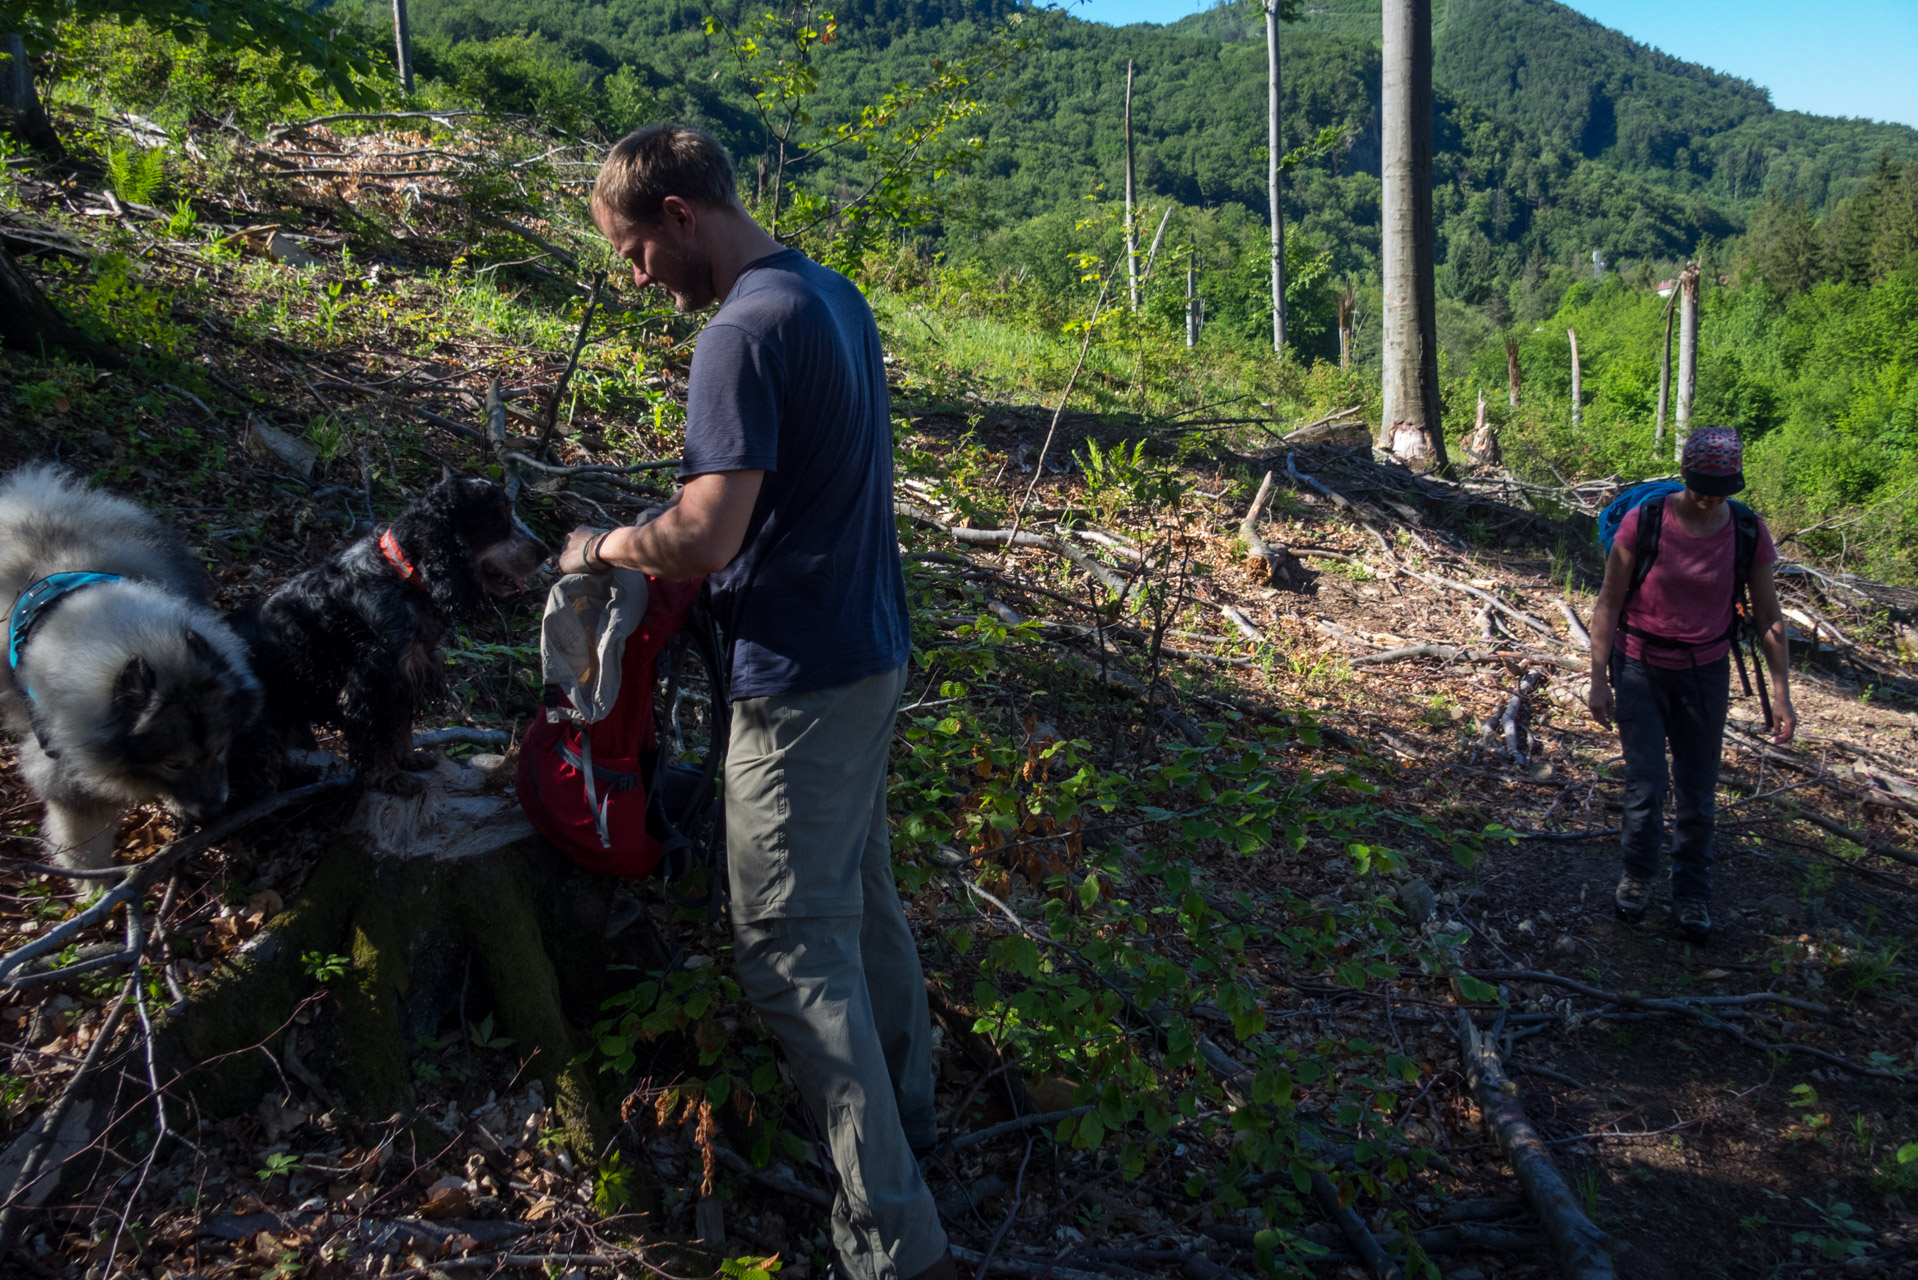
(825, 955)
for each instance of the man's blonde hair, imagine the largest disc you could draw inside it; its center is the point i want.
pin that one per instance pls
(661, 160)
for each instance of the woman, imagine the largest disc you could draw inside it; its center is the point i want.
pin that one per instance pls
(1661, 666)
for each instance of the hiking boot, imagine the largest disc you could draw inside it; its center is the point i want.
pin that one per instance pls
(1694, 916)
(1632, 897)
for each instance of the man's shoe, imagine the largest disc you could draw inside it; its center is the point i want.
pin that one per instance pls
(1632, 897)
(1694, 917)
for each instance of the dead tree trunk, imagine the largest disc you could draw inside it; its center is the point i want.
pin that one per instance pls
(20, 109)
(1578, 385)
(1131, 234)
(1664, 385)
(1347, 304)
(1410, 425)
(1272, 174)
(1687, 355)
(1512, 375)
(28, 322)
(403, 45)
(1191, 302)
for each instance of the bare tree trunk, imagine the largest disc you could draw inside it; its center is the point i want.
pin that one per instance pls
(1191, 302)
(1578, 384)
(1346, 303)
(1409, 427)
(20, 110)
(28, 322)
(1272, 174)
(1664, 385)
(403, 45)
(1687, 355)
(1512, 375)
(1131, 233)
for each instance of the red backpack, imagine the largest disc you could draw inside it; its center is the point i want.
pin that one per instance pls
(604, 792)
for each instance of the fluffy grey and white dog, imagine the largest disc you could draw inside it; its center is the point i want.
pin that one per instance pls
(125, 688)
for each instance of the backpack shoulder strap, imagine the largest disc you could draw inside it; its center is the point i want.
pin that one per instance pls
(1651, 525)
(1745, 547)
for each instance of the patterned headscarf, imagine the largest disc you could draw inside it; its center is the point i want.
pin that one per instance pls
(1714, 462)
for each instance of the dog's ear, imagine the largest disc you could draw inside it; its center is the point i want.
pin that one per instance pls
(446, 472)
(202, 648)
(133, 688)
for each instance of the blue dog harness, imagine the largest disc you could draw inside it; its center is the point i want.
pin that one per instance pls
(33, 605)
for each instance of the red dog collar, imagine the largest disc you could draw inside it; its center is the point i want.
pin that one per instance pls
(390, 548)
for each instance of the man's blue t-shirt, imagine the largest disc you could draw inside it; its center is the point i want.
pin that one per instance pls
(788, 379)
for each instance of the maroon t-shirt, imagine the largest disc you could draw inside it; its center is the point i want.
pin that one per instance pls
(1688, 594)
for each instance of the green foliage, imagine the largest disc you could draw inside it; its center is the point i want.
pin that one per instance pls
(744, 1268)
(277, 1163)
(287, 34)
(322, 967)
(485, 1037)
(135, 174)
(1843, 1235)
(614, 1186)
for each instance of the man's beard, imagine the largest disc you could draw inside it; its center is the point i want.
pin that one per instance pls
(691, 288)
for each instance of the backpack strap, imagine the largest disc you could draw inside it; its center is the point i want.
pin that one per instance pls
(1651, 527)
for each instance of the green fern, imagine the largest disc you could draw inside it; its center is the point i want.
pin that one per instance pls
(134, 174)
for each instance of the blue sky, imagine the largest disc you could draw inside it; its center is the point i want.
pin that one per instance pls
(1832, 57)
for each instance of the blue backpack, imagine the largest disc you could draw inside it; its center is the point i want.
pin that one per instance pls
(1627, 502)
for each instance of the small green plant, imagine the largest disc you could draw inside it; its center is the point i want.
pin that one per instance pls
(328, 435)
(1441, 711)
(1588, 1191)
(277, 1163)
(323, 967)
(612, 1186)
(1845, 1237)
(332, 305)
(184, 222)
(484, 1035)
(135, 173)
(749, 1268)
(425, 1072)
(1863, 970)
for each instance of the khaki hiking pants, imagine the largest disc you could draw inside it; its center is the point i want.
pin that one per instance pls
(826, 957)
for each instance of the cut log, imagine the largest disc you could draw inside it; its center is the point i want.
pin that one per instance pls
(1256, 547)
(1579, 1245)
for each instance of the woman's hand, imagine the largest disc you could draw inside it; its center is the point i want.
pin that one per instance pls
(1599, 700)
(1785, 721)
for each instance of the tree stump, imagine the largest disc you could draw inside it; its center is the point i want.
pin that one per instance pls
(443, 922)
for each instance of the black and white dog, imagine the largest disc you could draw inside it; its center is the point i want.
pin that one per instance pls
(124, 686)
(354, 643)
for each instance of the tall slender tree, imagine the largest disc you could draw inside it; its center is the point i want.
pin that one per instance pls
(1687, 356)
(1273, 13)
(403, 45)
(1409, 426)
(1131, 231)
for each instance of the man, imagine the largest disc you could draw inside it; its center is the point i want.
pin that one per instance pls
(1661, 662)
(787, 504)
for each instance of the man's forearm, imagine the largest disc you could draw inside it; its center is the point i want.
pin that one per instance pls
(664, 548)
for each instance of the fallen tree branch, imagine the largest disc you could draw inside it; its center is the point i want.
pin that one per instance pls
(1673, 1004)
(55, 1116)
(1461, 653)
(1513, 705)
(1579, 633)
(551, 424)
(1580, 1246)
(139, 878)
(1256, 547)
(964, 1140)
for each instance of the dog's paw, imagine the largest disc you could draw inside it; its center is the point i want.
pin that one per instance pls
(398, 784)
(419, 761)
